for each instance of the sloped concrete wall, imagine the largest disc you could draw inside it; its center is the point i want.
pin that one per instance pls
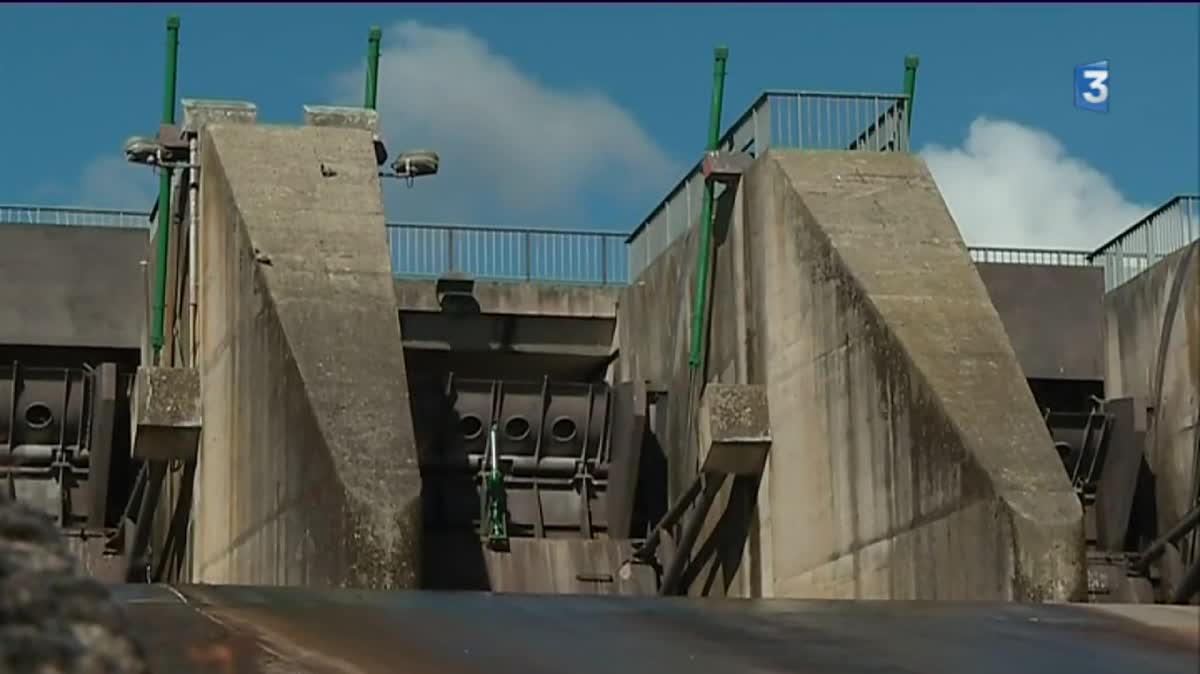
(1152, 352)
(308, 471)
(908, 457)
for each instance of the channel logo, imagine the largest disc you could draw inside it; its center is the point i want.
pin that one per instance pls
(1091, 86)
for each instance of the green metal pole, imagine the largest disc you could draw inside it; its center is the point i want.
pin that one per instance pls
(910, 84)
(164, 192)
(720, 57)
(374, 37)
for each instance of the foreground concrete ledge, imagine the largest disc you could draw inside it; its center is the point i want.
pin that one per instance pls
(198, 113)
(734, 429)
(166, 413)
(342, 117)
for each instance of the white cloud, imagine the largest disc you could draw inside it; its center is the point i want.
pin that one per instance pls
(513, 149)
(1011, 185)
(111, 182)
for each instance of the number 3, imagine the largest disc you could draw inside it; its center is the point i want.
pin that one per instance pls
(1096, 82)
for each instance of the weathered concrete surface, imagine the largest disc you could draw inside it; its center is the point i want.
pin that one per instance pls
(165, 413)
(1152, 353)
(734, 429)
(908, 458)
(200, 112)
(518, 331)
(922, 467)
(308, 472)
(72, 286)
(653, 320)
(588, 338)
(1053, 315)
(342, 116)
(518, 299)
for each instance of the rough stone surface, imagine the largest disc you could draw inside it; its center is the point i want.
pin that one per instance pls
(200, 112)
(166, 413)
(53, 619)
(908, 458)
(308, 470)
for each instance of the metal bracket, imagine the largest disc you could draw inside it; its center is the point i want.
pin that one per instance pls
(173, 144)
(456, 294)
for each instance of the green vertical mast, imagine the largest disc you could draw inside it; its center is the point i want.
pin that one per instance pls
(164, 192)
(720, 57)
(910, 85)
(371, 96)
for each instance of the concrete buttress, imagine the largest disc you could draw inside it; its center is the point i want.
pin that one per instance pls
(308, 467)
(908, 458)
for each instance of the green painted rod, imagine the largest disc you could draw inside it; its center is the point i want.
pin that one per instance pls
(910, 84)
(720, 57)
(371, 96)
(164, 192)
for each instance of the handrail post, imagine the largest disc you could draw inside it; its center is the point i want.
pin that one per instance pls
(528, 256)
(603, 260)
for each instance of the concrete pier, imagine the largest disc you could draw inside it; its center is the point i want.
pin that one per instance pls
(1152, 354)
(909, 460)
(308, 469)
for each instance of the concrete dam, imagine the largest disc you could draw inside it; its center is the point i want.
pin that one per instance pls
(891, 453)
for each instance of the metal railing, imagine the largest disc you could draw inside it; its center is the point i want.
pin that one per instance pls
(543, 255)
(810, 120)
(567, 256)
(1163, 231)
(72, 216)
(427, 250)
(1039, 256)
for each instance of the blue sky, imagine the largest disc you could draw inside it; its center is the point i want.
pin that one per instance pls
(584, 116)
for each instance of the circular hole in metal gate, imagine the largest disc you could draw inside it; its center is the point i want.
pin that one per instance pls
(470, 426)
(563, 429)
(516, 428)
(38, 415)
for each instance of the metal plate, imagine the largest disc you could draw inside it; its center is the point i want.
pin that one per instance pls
(48, 408)
(299, 631)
